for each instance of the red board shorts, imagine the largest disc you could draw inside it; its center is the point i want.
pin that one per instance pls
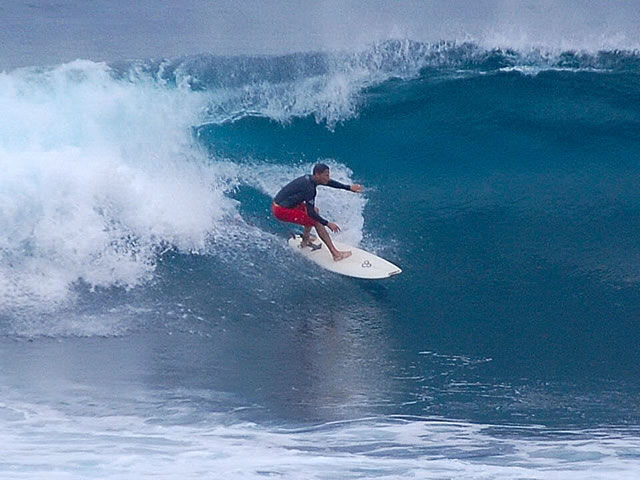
(297, 214)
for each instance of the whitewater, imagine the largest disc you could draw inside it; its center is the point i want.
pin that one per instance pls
(154, 324)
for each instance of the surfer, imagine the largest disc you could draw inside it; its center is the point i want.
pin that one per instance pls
(294, 203)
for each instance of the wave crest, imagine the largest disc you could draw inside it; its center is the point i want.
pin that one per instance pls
(328, 85)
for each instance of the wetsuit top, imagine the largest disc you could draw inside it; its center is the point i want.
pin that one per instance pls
(303, 189)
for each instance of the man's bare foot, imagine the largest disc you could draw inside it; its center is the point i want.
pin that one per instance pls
(341, 256)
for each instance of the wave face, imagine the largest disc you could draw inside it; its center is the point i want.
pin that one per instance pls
(487, 169)
(135, 211)
(525, 161)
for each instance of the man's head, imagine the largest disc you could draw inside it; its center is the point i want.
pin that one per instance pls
(321, 173)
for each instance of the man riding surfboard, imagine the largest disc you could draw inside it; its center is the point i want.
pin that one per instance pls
(294, 203)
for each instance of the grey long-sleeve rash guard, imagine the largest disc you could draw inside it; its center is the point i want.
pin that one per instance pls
(303, 189)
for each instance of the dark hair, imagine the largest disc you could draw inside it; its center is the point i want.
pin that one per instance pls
(320, 168)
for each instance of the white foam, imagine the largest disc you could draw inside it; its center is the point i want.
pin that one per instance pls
(113, 444)
(329, 99)
(97, 175)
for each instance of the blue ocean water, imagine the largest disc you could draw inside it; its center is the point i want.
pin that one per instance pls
(154, 323)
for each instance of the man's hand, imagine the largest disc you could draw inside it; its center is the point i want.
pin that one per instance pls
(357, 188)
(333, 227)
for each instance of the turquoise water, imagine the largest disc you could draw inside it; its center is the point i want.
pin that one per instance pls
(153, 321)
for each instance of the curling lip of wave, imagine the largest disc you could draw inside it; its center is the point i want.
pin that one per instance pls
(382, 60)
(328, 85)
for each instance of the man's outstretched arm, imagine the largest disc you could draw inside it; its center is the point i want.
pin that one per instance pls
(354, 188)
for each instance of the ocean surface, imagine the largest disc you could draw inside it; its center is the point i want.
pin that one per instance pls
(154, 324)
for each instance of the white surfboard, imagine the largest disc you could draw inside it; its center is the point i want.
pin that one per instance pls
(360, 264)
